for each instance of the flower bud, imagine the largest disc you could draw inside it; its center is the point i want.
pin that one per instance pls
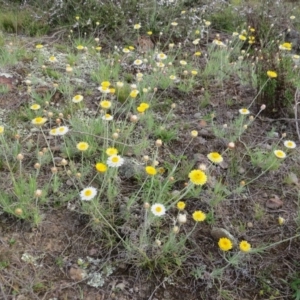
(38, 193)
(115, 135)
(54, 170)
(134, 118)
(64, 162)
(158, 143)
(158, 242)
(175, 229)
(18, 211)
(37, 166)
(20, 157)
(194, 133)
(146, 205)
(231, 145)
(181, 218)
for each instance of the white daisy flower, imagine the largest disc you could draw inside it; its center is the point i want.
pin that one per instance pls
(107, 117)
(77, 98)
(62, 130)
(104, 89)
(138, 62)
(53, 131)
(115, 161)
(158, 209)
(88, 193)
(290, 144)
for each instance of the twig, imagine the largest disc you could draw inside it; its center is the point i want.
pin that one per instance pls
(296, 113)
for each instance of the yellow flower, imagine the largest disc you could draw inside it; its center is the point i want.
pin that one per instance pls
(126, 50)
(194, 133)
(98, 48)
(183, 62)
(105, 84)
(77, 99)
(82, 146)
(131, 48)
(198, 53)
(134, 93)
(215, 157)
(101, 167)
(285, 46)
(105, 104)
(180, 205)
(142, 107)
(111, 151)
(69, 69)
(281, 220)
(112, 90)
(39, 121)
(150, 170)
(80, 47)
(197, 177)
(290, 144)
(199, 216)
(193, 72)
(225, 244)
(207, 23)
(279, 153)
(174, 23)
(245, 246)
(35, 106)
(242, 37)
(1, 129)
(272, 74)
(138, 62)
(52, 58)
(137, 26)
(39, 46)
(149, 32)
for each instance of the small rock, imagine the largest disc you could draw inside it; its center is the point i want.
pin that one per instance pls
(218, 233)
(77, 274)
(249, 224)
(274, 202)
(198, 115)
(241, 170)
